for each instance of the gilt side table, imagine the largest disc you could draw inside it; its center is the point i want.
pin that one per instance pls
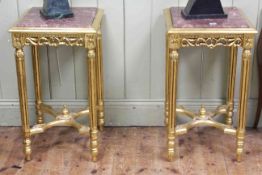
(233, 32)
(83, 30)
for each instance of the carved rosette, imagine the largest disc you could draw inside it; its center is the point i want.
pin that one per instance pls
(248, 42)
(174, 42)
(90, 41)
(18, 41)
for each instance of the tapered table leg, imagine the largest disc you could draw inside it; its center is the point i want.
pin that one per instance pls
(245, 71)
(92, 94)
(166, 82)
(21, 79)
(100, 88)
(231, 84)
(37, 82)
(173, 70)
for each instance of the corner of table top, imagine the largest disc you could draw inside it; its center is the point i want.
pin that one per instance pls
(168, 19)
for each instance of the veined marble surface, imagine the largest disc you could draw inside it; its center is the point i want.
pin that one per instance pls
(83, 18)
(235, 19)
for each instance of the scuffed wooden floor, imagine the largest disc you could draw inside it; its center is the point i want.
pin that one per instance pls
(132, 150)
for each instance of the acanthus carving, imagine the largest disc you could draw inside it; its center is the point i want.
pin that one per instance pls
(211, 42)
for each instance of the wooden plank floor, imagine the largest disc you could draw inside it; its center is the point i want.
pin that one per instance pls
(132, 150)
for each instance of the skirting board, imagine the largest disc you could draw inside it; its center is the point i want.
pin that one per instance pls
(121, 112)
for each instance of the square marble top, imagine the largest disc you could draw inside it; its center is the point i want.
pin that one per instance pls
(235, 20)
(83, 18)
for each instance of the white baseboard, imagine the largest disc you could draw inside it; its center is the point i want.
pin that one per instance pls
(120, 112)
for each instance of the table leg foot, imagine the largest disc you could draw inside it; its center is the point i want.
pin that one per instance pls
(94, 158)
(94, 144)
(240, 145)
(239, 157)
(171, 145)
(27, 148)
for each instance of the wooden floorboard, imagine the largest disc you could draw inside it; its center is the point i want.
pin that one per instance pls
(130, 150)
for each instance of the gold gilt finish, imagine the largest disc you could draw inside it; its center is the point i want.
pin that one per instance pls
(91, 39)
(232, 38)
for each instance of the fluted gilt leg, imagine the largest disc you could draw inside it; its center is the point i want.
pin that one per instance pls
(173, 69)
(100, 87)
(21, 79)
(245, 71)
(166, 82)
(92, 94)
(231, 84)
(37, 82)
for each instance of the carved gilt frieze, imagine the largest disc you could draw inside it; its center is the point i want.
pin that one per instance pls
(49, 40)
(212, 42)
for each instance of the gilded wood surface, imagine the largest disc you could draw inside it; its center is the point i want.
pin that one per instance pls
(211, 38)
(36, 37)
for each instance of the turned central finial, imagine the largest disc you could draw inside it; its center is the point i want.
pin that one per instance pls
(65, 110)
(202, 111)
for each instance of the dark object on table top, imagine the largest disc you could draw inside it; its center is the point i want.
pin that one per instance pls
(199, 9)
(56, 9)
(259, 66)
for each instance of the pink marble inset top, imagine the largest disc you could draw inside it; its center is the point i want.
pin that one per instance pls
(83, 18)
(234, 20)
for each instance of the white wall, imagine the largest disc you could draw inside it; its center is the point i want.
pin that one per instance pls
(134, 48)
